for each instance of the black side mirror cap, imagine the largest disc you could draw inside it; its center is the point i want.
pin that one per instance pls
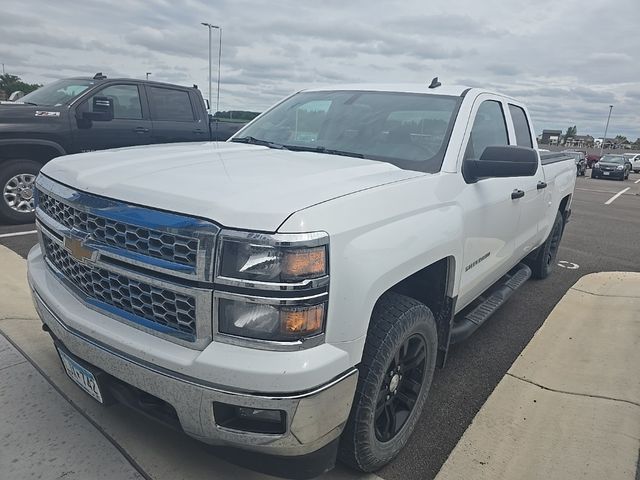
(501, 161)
(102, 110)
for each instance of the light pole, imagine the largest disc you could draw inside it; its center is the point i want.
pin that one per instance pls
(605, 130)
(210, 26)
(148, 73)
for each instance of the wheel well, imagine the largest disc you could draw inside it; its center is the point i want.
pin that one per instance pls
(38, 153)
(432, 286)
(564, 207)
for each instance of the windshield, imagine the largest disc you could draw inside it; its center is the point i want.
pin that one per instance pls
(612, 159)
(410, 131)
(58, 93)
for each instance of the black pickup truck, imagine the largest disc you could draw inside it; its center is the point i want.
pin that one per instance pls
(92, 113)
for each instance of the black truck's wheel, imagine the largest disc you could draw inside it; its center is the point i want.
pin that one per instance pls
(395, 376)
(543, 258)
(17, 179)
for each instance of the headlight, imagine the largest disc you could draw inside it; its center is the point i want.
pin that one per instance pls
(271, 258)
(269, 322)
(620, 167)
(272, 288)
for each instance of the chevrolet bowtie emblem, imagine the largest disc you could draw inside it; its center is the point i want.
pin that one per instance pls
(77, 249)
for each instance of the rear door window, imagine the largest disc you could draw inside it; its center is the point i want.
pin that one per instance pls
(521, 126)
(170, 104)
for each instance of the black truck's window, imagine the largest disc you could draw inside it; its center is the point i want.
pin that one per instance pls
(126, 101)
(489, 129)
(521, 126)
(170, 104)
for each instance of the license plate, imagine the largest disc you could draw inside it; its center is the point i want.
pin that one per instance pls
(606, 173)
(80, 375)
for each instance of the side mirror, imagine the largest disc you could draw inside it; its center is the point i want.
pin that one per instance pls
(102, 110)
(501, 161)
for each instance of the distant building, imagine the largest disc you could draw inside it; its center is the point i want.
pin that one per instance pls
(551, 137)
(580, 141)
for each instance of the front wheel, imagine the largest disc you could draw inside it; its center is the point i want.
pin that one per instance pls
(395, 375)
(17, 181)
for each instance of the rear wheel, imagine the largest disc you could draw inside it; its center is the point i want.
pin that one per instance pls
(17, 180)
(395, 376)
(543, 258)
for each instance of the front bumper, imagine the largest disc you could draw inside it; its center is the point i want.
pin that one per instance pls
(611, 173)
(314, 417)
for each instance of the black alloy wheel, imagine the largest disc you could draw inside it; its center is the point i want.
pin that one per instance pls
(401, 387)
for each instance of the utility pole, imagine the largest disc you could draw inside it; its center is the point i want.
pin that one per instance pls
(210, 26)
(604, 139)
(3, 68)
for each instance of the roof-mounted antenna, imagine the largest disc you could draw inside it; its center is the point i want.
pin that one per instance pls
(99, 76)
(435, 83)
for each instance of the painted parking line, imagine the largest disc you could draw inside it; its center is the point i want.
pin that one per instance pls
(612, 199)
(637, 181)
(17, 234)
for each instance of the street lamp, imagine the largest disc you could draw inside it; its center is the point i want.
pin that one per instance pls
(210, 26)
(605, 130)
(148, 73)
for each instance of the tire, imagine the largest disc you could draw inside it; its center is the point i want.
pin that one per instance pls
(592, 175)
(542, 260)
(16, 179)
(390, 394)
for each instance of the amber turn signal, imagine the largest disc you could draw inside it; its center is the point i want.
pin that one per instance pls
(302, 320)
(309, 262)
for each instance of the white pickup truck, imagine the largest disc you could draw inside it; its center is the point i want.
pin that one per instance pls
(289, 292)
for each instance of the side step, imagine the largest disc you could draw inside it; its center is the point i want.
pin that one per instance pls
(501, 292)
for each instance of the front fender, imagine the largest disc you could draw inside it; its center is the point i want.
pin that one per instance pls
(379, 237)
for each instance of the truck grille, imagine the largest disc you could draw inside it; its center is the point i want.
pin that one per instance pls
(165, 246)
(157, 305)
(148, 268)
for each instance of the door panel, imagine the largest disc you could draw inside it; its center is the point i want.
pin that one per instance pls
(491, 215)
(129, 127)
(533, 204)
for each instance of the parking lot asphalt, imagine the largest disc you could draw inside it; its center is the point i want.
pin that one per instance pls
(603, 235)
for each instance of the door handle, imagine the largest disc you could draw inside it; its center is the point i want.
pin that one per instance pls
(517, 194)
(541, 185)
(198, 131)
(141, 130)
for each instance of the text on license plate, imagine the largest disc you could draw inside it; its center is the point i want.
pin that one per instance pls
(606, 173)
(83, 377)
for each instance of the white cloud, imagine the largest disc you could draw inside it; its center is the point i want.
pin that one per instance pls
(568, 60)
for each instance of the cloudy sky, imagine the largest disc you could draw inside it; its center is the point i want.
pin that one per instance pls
(568, 59)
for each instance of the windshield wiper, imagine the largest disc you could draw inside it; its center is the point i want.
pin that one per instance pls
(257, 141)
(321, 149)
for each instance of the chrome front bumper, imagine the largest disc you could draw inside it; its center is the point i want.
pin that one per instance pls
(313, 418)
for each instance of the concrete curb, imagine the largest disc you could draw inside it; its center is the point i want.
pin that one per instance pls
(569, 407)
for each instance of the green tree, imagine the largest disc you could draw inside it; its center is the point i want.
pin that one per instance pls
(620, 139)
(571, 132)
(12, 83)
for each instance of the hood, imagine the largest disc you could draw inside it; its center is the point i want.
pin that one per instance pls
(235, 185)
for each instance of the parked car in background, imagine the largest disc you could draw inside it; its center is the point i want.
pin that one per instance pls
(634, 159)
(581, 161)
(591, 159)
(84, 114)
(611, 166)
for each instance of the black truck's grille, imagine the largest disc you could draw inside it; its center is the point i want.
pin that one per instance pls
(159, 306)
(166, 246)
